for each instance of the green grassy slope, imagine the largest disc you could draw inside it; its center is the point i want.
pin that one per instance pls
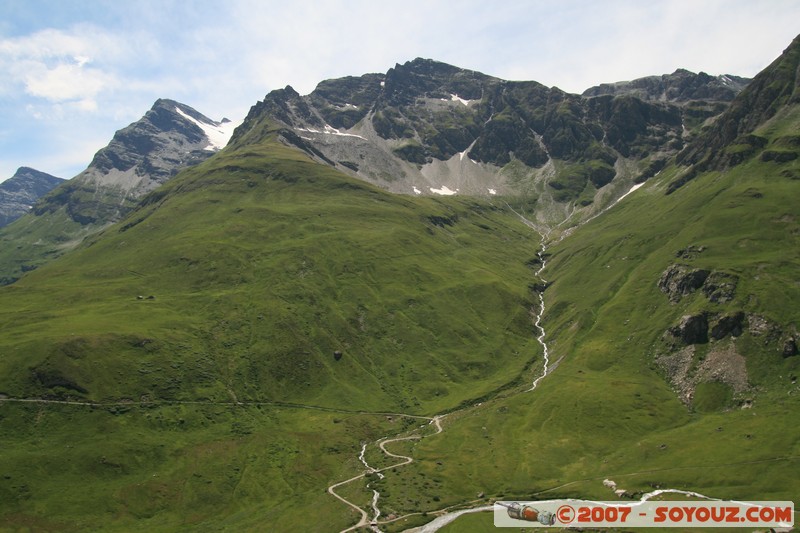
(32, 241)
(236, 282)
(170, 468)
(261, 264)
(637, 396)
(203, 329)
(608, 410)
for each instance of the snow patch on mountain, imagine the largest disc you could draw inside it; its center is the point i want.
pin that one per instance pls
(218, 133)
(444, 191)
(330, 130)
(456, 98)
(630, 191)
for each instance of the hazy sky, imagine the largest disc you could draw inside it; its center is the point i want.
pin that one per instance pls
(75, 71)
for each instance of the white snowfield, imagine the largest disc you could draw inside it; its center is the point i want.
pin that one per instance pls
(218, 133)
(444, 191)
(330, 130)
(456, 98)
(635, 187)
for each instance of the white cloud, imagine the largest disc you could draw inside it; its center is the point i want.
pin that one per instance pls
(582, 44)
(71, 66)
(66, 81)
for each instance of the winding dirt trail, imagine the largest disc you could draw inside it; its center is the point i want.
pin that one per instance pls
(365, 521)
(445, 519)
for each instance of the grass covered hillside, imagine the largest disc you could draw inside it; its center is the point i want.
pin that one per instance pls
(267, 343)
(634, 397)
(672, 322)
(253, 269)
(237, 282)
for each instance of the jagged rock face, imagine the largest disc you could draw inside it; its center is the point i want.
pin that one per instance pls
(425, 127)
(21, 191)
(698, 96)
(692, 329)
(732, 325)
(682, 86)
(171, 136)
(790, 347)
(720, 287)
(679, 280)
(150, 144)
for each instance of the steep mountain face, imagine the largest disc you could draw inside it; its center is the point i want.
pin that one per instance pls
(699, 96)
(429, 128)
(21, 191)
(760, 121)
(169, 137)
(724, 333)
(708, 290)
(140, 157)
(672, 321)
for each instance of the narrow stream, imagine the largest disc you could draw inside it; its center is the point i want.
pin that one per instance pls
(539, 315)
(447, 518)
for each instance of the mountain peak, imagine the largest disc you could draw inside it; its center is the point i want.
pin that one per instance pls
(422, 65)
(426, 126)
(22, 190)
(170, 136)
(140, 157)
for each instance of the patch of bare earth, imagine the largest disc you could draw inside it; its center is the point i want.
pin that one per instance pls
(722, 364)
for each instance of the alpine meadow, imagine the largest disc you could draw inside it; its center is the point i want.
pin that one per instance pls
(407, 294)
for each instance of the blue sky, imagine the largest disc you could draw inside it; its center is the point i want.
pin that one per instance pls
(75, 71)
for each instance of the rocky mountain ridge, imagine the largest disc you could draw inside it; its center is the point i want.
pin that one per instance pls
(744, 130)
(425, 127)
(682, 87)
(140, 157)
(22, 190)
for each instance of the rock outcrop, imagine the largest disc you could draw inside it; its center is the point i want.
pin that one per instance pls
(790, 347)
(680, 280)
(720, 287)
(692, 329)
(733, 325)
